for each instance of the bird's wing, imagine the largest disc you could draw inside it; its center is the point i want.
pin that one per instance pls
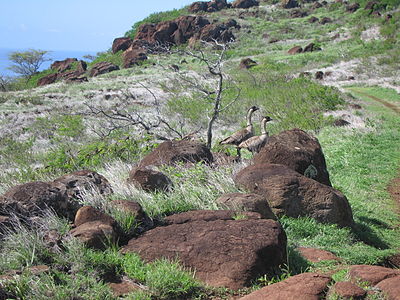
(237, 137)
(249, 142)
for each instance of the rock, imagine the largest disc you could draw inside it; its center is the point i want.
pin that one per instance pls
(133, 56)
(121, 44)
(172, 152)
(299, 151)
(76, 182)
(325, 20)
(89, 214)
(102, 68)
(95, 234)
(215, 32)
(289, 3)
(295, 50)
(224, 253)
(340, 123)
(371, 5)
(313, 20)
(306, 286)
(188, 27)
(376, 14)
(348, 290)
(352, 7)
(210, 6)
(317, 255)
(372, 274)
(48, 79)
(63, 65)
(208, 216)
(292, 194)
(150, 180)
(311, 48)
(316, 5)
(244, 3)
(247, 202)
(30, 199)
(298, 14)
(390, 287)
(393, 261)
(131, 207)
(198, 6)
(74, 76)
(81, 66)
(319, 75)
(123, 287)
(247, 63)
(273, 40)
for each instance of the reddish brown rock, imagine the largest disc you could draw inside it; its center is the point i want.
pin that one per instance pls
(390, 288)
(244, 3)
(48, 79)
(131, 207)
(372, 274)
(298, 13)
(215, 32)
(313, 20)
(348, 290)
(316, 5)
(89, 214)
(289, 3)
(121, 44)
(150, 180)
(30, 199)
(319, 75)
(133, 56)
(295, 50)
(306, 286)
(229, 253)
(211, 6)
(95, 234)
(63, 65)
(352, 7)
(247, 63)
(102, 68)
(316, 255)
(340, 123)
(325, 20)
(311, 48)
(172, 152)
(198, 6)
(123, 287)
(299, 151)
(394, 261)
(247, 202)
(292, 194)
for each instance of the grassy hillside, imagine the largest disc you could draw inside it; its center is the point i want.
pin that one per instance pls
(48, 131)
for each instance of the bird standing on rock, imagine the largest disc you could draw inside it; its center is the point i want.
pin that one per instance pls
(255, 143)
(241, 135)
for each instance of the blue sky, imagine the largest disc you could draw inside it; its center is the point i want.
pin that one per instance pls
(84, 25)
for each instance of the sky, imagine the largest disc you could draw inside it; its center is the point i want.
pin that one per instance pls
(80, 25)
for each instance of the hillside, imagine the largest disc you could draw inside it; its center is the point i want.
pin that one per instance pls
(169, 212)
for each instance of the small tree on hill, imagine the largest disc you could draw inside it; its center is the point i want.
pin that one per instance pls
(27, 63)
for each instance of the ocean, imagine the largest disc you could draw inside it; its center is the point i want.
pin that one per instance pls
(54, 55)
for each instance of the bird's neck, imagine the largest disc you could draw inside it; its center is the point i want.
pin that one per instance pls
(264, 127)
(249, 115)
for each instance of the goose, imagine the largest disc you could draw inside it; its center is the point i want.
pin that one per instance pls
(243, 134)
(255, 143)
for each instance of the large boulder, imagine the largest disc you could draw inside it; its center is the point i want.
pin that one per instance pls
(188, 26)
(215, 32)
(103, 68)
(133, 56)
(76, 182)
(172, 152)
(149, 180)
(198, 6)
(292, 194)
(295, 50)
(121, 44)
(222, 252)
(372, 274)
(348, 290)
(247, 202)
(352, 7)
(244, 3)
(48, 79)
(390, 287)
(63, 65)
(289, 3)
(30, 199)
(211, 6)
(299, 151)
(306, 286)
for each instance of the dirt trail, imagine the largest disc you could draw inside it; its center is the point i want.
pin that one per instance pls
(389, 105)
